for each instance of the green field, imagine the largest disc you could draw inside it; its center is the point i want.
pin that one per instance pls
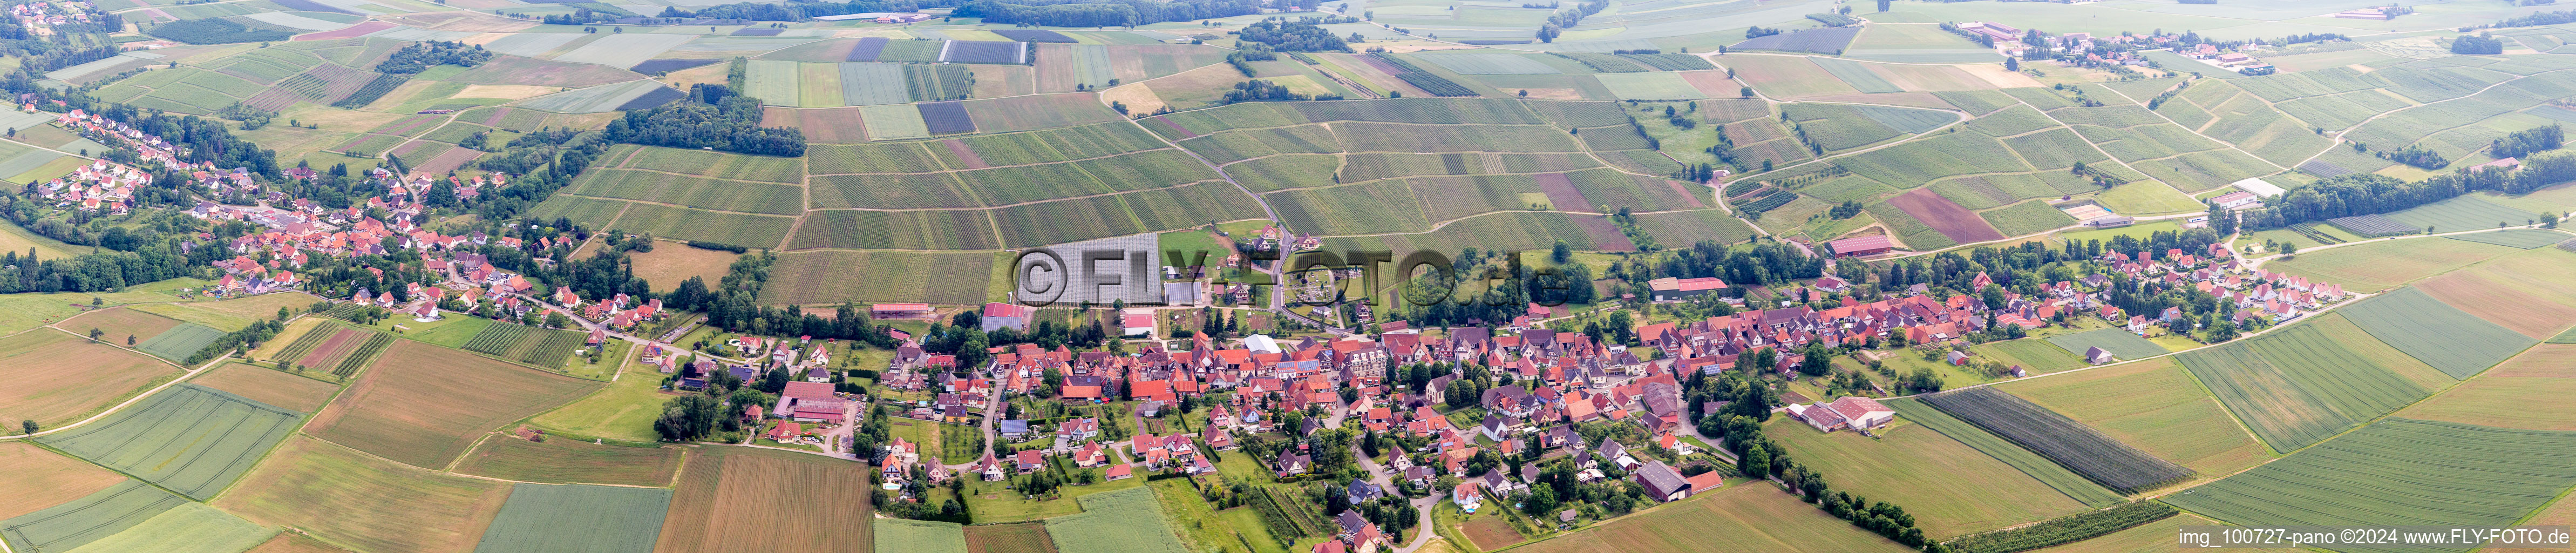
(1949, 487)
(188, 438)
(91, 518)
(2303, 383)
(2075, 486)
(894, 534)
(2458, 343)
(1125, 521)
(186, 528)
(2153, 405)
(575, 518)
(2031, 217)
(1649, 86)
(180, 342)
(2036, 356)
(2468, 212)
(2519, 238)
(2399, 471)
(2121, 343)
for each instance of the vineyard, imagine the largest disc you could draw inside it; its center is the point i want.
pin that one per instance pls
(496, 339)
(2079, 448)
(376, 343)
(526, 344)
(374, 89)
(305, 84)
(1434, 84)
(2310, 230)
(1768, 202)
(305, 344)
(552, 351)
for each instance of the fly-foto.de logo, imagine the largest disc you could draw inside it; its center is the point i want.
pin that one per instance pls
(1097, 273)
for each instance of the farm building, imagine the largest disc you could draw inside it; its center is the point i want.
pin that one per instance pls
(1662, 482)
(1677, 289)
(2099, 222)
(811, 402)
(2096, 355)
(1865, 245)
(999, 315)
(1848, 412)
(2258, 186)
(2238, 200)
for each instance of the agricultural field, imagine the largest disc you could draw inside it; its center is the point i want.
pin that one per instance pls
(724, 485)
(2153, 405)
(2122, 344)
(2528, 292)
(270, 386)
(2398, 471)
(425, 405)
(40, 479)
(2385, 264)
(2502, 397)
(2098, 457)
(120, 323)
(1745, 514)
(91, 518)
(570, 461)
(2457, 343)
(894, 534)
(1126, 521)
(2302, 383)
(623, 410)
(54, 377)
(1950, 488)
(575, 517)
(349, 497)
(526, 344)
(2026, 460)
(189, 439)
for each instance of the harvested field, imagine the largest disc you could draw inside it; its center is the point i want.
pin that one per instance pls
(368, 503)
(38, 479)
(119, 323)
(1025, 537)
(2098, 457)
(724, 485)
(1950, 488)
(1744, 515)
(2153, 405)
(669, 264)
(571, 461)
(2385, 264)
(2445, 337)
(190, 439)
(1945, 216)
(56, 378)
(1490, 533)
(2399, 470)
(577, 518)
(425, 405)
(270, 386)
(2503, 397)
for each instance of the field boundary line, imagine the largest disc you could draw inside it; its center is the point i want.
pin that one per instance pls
(673, 205)
(300, 432)
(944, 164)
(708, 177)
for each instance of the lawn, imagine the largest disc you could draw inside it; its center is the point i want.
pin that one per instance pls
(1745, 516)
(2384, 264)
(1126, 521)
(746, 499)
(577, 519)
(2300, 384)
(190, 439)
(571, 460)
(2120, 342)
(1950, 488)
(56, 378)
(2399, 471)
(371, 504)
(2153, 405)
(424, 405)
(270, 386)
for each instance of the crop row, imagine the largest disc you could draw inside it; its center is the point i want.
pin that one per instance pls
(496, 339)
(552, 351)
(1770, 202)
(305, 344)
(366, 353)
(1434, 84)
(374, 89)
(2080, 448)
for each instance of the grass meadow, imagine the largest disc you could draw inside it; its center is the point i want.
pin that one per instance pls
(1125, 521)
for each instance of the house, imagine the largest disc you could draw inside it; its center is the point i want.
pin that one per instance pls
(1012, 428)
(1678, 289)
(1027, 461)
(1661, 482)
(1360, 491)
(1289, 463)
(785, 431)
(2096, 355)
(1121, 472)
(1466, 497)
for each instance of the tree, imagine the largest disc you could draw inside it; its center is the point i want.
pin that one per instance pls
(129, 340)
(27, 425)
(2010, 64)
(94, 333)
(1746, 92)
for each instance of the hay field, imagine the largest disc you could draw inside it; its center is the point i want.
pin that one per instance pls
(424, 405)
(744, 499)
(37, 479)
(2153, 405)
(368, 503)
(671, 263)
(2504, 396)
(270, 386)
(1745, 516)
(571, 461)
(622, 411)
(2385, 264)
(55, 378)
(577, 518)
(1950, 488)
(190, 439)
(118, 323)
(2399, 471)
